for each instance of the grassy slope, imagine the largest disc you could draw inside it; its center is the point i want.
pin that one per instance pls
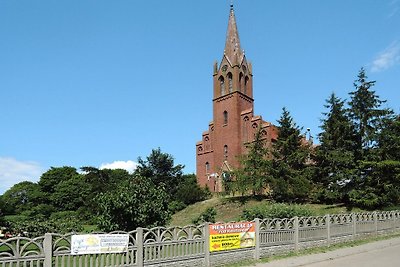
(231, 208)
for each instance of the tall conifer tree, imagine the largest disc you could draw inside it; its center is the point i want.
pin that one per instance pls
(335, 154)
(288, 165)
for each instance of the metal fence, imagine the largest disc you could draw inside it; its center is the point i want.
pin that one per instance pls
(189, 245)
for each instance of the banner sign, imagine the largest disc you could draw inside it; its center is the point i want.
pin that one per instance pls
(225, 236)
(99, 243)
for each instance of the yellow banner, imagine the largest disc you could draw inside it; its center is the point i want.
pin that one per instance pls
(228, 236)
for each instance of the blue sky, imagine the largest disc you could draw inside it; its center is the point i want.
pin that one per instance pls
(91, 83)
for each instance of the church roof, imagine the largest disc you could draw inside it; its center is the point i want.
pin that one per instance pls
(233, 51)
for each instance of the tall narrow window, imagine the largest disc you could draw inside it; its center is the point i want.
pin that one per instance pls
(241, 82)
(246, 84)
(207, 168)
(222, 85)
(225, 151)
(225, 117)
(230, 82)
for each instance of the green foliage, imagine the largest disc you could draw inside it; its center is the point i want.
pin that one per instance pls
(388, 140)
(40, 210)
(50, 179)
(379, 185)
(253, 175)
(38, 226)
(207, 216)
(277, 210)
(21, 197)
(70, 194)
(366, 113)
(98, 181)
(188, 190)
(334, 157)
(160, 169)
(135, 203)
(291, 178)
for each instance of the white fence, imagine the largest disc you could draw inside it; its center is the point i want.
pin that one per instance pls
(189, 245)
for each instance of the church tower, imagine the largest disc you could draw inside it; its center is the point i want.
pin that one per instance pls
(233, 124)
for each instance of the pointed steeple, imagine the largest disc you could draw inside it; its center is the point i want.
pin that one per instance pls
(233, 50)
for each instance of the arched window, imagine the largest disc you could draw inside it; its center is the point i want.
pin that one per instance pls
(230, 82)
(225, 117)
(225, 151)
(241, 82)
(222, 85)
(246, 84)
(207, 168)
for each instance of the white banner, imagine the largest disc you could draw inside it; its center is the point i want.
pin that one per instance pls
(99, 243)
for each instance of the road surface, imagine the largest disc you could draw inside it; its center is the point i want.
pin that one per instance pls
(384, 253)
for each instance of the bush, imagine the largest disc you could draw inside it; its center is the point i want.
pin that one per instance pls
(189, 191)
(176, 205)
(35, 227)
(277, 210)
(207, 216)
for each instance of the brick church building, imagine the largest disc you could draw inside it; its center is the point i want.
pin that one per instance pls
(234, 123)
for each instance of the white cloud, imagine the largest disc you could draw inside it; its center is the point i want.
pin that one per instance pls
(387, 58)
(129, 165)
(13, 171)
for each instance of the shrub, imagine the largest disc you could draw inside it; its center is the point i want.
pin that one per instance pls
(207, 216)
(277, 210)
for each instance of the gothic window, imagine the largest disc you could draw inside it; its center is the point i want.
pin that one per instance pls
(246, 84)
(207, 167)
(225, 117)
(245, 131)
(222, 85)
(241, 82)
(225, 151)
(230, 82)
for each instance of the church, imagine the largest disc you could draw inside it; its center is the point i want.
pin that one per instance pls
(234, 124)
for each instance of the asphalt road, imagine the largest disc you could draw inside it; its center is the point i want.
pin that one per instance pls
(384, 253)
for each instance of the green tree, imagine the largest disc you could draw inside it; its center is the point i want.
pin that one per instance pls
(379, 185)
(367, 114)
(50, 179)
(334, 156)
(160, 168)
(71, 194)
(288, 166)
(189, 191)
(135, 203)
(370, 120)
(22, 196)
(100, 181)
(388, 140)
(253, 174)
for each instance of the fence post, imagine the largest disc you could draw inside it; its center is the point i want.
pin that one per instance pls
(140, 245)
(48, 250)
(257, 239)
(207, 244)
(296, 233)
(375, 222)
(353, 219)
(394, 221)
(328, 229)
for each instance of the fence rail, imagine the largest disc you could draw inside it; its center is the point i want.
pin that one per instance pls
(189, 245)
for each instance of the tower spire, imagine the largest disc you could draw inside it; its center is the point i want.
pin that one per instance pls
(233, 50)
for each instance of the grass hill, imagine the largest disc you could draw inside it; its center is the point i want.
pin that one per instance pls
(231, 209)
